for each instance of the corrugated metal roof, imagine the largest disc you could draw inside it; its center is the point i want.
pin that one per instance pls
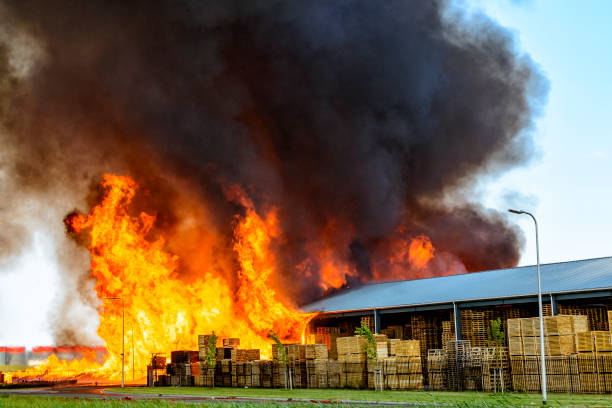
(573, 276)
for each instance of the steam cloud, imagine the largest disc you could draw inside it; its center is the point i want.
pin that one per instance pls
(363, 122)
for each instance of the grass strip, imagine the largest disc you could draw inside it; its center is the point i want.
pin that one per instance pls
(462, 399)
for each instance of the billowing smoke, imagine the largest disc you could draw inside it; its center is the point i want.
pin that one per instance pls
(364, 123)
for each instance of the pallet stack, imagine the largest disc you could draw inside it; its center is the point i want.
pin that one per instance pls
(205, 374)
(495, 368)
(459, 356)
(564, 336)
(352, 359)
(368, 321)
(232, 342)
(179, 368)
(448, 332)
(316, 365)
(474, 327)
(426, 332)
(394, 332)
(597, 315)
(328, 336)
(561, 335)
(244, 355)
(437, 369)
(398, 363)
(595, 360)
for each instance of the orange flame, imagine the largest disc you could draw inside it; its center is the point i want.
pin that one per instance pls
(420, 251)
(162, 312)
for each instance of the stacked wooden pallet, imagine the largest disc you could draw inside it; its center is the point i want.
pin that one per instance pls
(394, 332)
(459, 355)
(598, 316)
(316, 366)
(232, 342)
(224, 353)
(276, 350)
(397, 373)
(473, 327)
(352, 358)
(179, 368)
(351, 348)
(317, 371)
(368, 321)
(296, 353)
(426, 332)
(495, 368)
(203, 346)
(560, 335)
(328, 336)
(448, 332)
(244, 355)
(398, 365)
(437, 369)
(316, 352)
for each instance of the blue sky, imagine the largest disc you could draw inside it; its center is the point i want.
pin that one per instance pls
(567, 186)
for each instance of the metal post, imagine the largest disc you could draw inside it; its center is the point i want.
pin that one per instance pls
(457, 319)
(122, 337)
(376, 322)
(544, 396)
(554, 307)
(122, 343)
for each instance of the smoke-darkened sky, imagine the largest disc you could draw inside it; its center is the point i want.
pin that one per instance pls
(364, 123)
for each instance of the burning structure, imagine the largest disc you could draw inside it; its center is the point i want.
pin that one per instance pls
(253, 157)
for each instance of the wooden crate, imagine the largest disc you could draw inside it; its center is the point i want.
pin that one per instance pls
(604, 362)
(580, 323)
(560, 345)
(409, 365)
(408, 348)
(515, 346)
(316, 351)
(514, 327)
(558, 325)
(352, 358)
(517, 365)
(351, 345)
(395, 332)
(296, 352)
(531, 346)
(584, 342)
(591, 383)
(382, 350)
(448, 332)
(253, 354)
(587, 363)
(602, 340)
(393, 346)
(529, 326)
(233, 342)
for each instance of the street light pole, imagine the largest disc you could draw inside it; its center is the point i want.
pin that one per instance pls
(122, 337)
(544, 396)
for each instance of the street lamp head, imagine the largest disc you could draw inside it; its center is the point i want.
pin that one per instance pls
(516, 211)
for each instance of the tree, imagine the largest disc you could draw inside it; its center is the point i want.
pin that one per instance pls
(211, 355)
(495, 334)
(283, 359)
(370, 346)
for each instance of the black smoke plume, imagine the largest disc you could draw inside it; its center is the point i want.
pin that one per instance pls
(363, 122)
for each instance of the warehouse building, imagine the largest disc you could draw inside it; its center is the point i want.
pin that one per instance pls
(435, 310)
